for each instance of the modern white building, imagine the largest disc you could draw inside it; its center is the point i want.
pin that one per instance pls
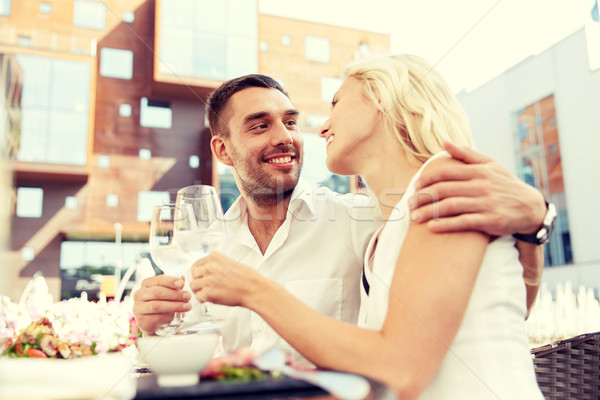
(541, 118)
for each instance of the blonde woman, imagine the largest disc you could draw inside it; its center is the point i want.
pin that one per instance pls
(444, 316)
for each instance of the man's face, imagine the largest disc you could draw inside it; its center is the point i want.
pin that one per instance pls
(264, 144)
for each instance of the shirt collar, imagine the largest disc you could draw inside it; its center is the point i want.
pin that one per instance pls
(303, 194)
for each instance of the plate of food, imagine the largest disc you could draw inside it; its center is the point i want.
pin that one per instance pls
(39, 364)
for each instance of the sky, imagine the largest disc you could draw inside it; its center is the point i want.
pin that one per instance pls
(468, 41)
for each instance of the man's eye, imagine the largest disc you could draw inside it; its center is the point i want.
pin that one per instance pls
(291, 122)
(261, 126)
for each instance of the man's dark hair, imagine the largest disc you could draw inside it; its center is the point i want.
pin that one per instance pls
(218, 99)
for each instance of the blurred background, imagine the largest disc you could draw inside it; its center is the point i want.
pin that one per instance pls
(102, 112)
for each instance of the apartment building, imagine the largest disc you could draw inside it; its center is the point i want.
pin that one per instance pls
(540, 119)
(102, 116)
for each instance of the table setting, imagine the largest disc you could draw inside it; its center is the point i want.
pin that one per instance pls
(77, 349)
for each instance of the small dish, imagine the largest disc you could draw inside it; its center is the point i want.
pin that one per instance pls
(178, 360)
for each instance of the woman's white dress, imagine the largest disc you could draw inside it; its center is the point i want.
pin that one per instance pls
(490, 356)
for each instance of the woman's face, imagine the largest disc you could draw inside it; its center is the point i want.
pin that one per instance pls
(354, 120)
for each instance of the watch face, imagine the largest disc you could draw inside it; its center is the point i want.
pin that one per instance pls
(549, 222)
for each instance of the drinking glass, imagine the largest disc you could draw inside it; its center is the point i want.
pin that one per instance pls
(204, 231)
(165, 251)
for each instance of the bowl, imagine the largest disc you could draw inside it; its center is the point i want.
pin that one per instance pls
(177, 360)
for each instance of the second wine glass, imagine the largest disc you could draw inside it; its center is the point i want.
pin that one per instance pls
(206, 232)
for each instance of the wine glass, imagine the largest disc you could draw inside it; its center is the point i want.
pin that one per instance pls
(167, 254)
(205, 231)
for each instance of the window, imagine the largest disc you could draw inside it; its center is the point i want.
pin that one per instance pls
(89, 14)
(363, 49)
(103, 161)
(128, 16)
(29, 202)
(264, 45)
(194, 162)
(317, 49)
(155, 113)
(125, 110)
(45, 7)
(145, 154)
(27, 254)
(147, 200)
(24, 41)
(4, 7)
(83, 265)
(54, 110)
(286, 40)
(71, 203)
(219, 38)
(116, 63)
(539, 164)
(112, 200)
(328, 88)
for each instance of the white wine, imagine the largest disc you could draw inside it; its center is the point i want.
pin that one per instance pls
(171, 260)
(198, 244)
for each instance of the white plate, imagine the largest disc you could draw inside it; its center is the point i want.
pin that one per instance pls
(109, 377)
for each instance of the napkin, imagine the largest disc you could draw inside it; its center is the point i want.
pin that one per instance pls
(107, 377)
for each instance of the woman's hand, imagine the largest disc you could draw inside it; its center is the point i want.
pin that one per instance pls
(480, 195)
(158, 299)
(219, 279)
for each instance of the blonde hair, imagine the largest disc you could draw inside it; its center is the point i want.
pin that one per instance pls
(415, 100)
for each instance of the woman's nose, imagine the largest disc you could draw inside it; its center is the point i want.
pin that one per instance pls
(323, 129)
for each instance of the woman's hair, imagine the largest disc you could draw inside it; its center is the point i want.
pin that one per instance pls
(416, 102)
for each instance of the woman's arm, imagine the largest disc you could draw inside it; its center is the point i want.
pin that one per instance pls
(432, 284)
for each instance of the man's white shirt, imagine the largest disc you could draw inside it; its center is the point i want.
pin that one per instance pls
(316, 254)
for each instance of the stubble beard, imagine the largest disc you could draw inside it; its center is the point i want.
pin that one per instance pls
(264, 190)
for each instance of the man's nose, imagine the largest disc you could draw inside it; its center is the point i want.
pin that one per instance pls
(282, 135)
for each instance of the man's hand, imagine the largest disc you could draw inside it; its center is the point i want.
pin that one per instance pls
(157, 301)
(480, 195)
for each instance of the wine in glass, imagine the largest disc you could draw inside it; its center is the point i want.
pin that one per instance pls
(165, 224)
(203, 232)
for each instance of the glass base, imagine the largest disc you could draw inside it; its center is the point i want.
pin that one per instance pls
(213, 324)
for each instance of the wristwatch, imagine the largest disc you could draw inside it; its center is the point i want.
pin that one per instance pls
(542, 236)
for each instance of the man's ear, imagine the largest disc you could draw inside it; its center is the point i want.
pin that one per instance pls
(219, 149)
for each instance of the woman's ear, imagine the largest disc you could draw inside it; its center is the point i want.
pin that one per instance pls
(219, 149)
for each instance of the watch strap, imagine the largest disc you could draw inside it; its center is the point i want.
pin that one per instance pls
(542, 236)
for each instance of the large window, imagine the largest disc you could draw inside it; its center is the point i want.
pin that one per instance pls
(4, 7)
(219, 38)
(54, 110)
(86, 265)
(539, 164)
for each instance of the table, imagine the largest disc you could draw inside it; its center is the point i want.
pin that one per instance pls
(272, 388)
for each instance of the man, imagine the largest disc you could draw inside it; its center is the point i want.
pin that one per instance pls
(312, 241)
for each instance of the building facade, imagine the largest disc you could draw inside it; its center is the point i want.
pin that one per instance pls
(102, 117)
(540, 119)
